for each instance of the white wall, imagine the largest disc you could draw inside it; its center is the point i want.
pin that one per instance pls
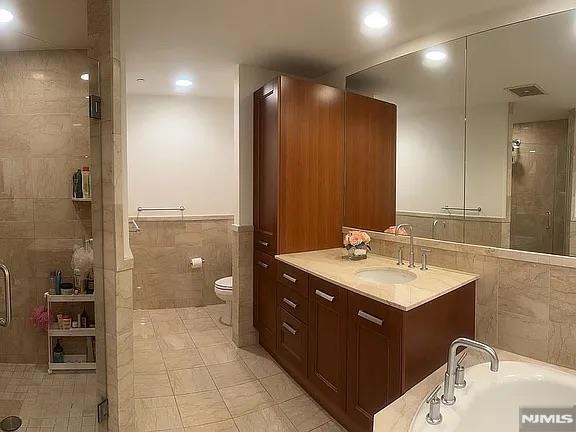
(180, 152)
(248, 79)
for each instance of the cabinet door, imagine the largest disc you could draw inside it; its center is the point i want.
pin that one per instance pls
(327, 340)
(265, 298)
(374, 358)
(370, 160)
(292, 343)
(266, 167)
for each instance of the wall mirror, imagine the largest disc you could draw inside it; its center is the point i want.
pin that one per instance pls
(486, 135)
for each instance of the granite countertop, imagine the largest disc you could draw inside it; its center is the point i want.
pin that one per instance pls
(333, 266)
(398, 415)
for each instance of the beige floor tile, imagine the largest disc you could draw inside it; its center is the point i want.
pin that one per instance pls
(281, 387)
(175, 342)
(146, 344)
(169, 327)
(193, 380)
(208, 338)
(259, 361)
(158, 315)
(153, 384)
(143, 330)
(141, 315)
(304, 413)
(331, 426)
(191, 313)
(182, 359)
(148, 361)
(265, 420)
(157, 414)
(230, 374)
(202, 408)
(199, 325)
(244, 398)
(221, 353)
(216, 311)
(223, 426)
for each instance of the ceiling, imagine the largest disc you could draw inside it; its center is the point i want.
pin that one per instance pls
(203, 39)
(44, 24)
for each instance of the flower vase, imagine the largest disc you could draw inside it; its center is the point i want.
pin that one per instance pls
(356, 253)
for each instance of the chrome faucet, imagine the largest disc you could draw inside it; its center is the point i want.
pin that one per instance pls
(450, 377)
(411, 256)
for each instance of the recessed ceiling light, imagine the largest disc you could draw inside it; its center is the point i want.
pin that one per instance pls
(436, 55)
(375, 20)
(85, 77)
(183, 83)
(6, 16)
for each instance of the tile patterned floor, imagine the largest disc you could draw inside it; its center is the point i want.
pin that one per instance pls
(190, 377)
(61, 402)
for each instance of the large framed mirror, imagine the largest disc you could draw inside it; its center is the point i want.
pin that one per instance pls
(428, 88)
(486, 135)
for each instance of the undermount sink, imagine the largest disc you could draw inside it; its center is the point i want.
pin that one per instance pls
(386, 275)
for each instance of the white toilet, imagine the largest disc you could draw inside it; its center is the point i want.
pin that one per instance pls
(223, 290)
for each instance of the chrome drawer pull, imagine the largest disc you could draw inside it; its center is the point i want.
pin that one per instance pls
(263, 264)
(263, 243)
(289, 328)
(289, 303)
(369, 317)
(324, 295)
(289, 278)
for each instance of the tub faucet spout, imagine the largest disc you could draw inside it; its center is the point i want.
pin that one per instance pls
(450, 377)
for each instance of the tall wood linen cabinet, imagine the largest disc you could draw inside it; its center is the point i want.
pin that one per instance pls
(298, 182)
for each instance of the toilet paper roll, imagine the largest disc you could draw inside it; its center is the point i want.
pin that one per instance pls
(196, 262)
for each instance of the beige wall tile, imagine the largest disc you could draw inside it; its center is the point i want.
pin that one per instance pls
(562, 344)
(563, 294)
(523, 335)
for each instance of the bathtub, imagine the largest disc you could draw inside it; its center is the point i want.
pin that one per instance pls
(491, 400)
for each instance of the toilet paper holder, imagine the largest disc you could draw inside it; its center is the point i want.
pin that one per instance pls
(194, 262)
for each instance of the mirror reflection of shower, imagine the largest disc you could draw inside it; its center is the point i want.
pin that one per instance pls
(516, 143)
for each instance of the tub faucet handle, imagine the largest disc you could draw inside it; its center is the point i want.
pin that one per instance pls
(460, 382)
(434, 416)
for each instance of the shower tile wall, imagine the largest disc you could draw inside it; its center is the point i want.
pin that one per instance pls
(44, 138)
(163, 277)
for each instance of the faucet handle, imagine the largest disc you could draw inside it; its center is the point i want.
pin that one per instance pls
(424, 261)
(400, 257)
(459, 381)
(434, 416)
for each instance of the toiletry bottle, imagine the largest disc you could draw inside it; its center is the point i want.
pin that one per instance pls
(77, 184)
(84, 319)
(52, 283)
(86, 186)
(58, 353)
(58, 282)
(77, 281)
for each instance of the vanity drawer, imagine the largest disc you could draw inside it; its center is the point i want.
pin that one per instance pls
(293, 278)
(265, 242)
(292, 301)
(292, 343)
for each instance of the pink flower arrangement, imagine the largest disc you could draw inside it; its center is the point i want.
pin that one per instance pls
(356, 238)
(40, 319)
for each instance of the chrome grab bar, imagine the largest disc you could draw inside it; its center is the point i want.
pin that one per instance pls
(473, 209)
(5, 322)
(548, 219)
(180, 208)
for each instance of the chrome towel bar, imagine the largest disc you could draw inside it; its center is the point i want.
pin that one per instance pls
(181, 208)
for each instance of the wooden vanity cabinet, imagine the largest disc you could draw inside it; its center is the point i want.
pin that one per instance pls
(356, 355)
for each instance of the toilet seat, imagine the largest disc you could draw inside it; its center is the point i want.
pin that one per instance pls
(224, 284)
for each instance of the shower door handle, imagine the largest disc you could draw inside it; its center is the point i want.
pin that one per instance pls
(5, 321)
(548, 219)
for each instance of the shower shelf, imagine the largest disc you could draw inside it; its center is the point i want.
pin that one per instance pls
(73, 298)
(56, 332)
(82, 199)
(72, 366)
